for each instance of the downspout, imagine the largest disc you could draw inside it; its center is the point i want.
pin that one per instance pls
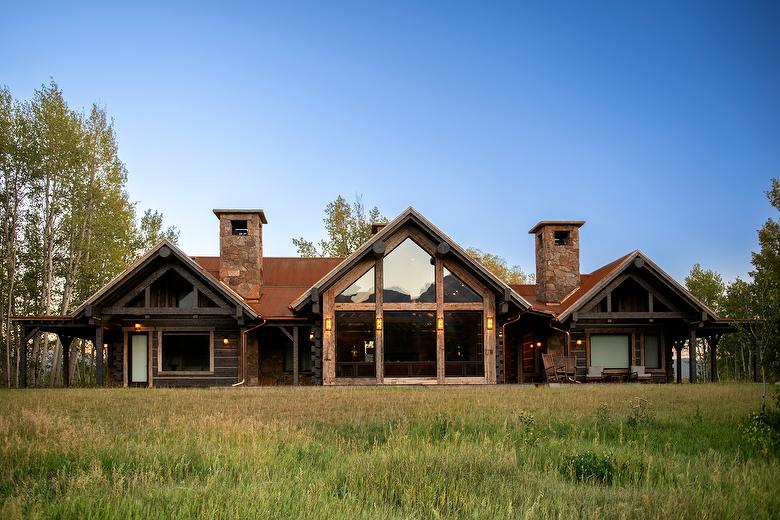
(503, 335)
(566, 334)
(243, 351)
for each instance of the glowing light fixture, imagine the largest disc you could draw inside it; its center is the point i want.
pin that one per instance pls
(328, 324)
(490, 323)
(579, 342)
(137, 326)
(538, 343)
(439, 323)
(379, 324)
(226, 341)
(311, 336)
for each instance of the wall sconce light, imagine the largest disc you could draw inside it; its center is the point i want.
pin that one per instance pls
(226, 341)
(311, 336)
(137, 326)
(328, 324)
(490, 323)
(579, 342)
(379, 324)
(439, 323)
(538, 343)
(105, 346)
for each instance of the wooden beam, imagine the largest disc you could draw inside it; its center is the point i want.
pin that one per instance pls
(66, 341)
(713, 341)
(143, 311)
(678, 348)
(146, 283)
(631, 315)
(379, 338)
(295, 355)
(286, 333)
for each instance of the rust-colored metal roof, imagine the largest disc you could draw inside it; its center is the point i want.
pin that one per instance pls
(587, 282)
(284, 279)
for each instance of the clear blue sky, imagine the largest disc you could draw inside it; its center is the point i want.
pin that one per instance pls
(657, 123)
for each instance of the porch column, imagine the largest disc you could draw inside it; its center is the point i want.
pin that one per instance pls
(98, 346)
(713, 341)
(692, 357)
(678, 349)
(295, 356)
(66, 341)
(24, 335)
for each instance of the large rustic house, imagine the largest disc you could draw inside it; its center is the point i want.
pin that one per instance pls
(410, 306)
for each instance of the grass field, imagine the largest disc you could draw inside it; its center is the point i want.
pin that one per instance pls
(661, 451)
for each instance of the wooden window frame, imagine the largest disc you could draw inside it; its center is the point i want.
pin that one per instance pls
(126, 331)
(184, 373)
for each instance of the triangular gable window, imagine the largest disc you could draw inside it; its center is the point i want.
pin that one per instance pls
(455, 291)
(172, 291)
(409, 275)
(361, 291)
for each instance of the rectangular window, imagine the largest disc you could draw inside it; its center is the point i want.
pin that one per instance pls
(652, 351)
(609, 350)
(410, 344)
(463, 347)
(355, 354)
(186, 352)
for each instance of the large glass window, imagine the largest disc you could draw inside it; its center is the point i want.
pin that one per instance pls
(410, 344)
(609, 350)
(463, 344)
(355, 353)
(409, 275)
(652, 351)
(186, 352)
(362, 291)
(455, 291)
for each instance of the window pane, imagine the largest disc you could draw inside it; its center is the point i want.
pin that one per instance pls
(652, 351)
(410, 344)
(609, 350)
(185, 352)
(361, 291)
(409, 275)
(355, 344)
(463, 344)
(455, 291)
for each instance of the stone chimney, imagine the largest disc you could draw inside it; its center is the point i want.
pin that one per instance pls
(557, 258)
(241, 250)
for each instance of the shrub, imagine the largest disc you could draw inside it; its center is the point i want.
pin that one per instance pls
(589, 467)
(761, 430)
(640, 412)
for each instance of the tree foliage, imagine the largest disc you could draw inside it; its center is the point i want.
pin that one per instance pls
(511, 274)
(68, 224)
(347, 226)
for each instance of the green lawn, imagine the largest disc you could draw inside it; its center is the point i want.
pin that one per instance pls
(640, 451)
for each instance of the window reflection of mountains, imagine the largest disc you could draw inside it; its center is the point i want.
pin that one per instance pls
(455, 292)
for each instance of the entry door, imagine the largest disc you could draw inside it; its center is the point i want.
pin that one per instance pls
(139, 368)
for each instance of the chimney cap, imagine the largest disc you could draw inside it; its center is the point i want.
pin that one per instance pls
(219, 212)
(546, 223)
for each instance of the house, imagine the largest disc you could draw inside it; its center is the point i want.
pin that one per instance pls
(410, 306)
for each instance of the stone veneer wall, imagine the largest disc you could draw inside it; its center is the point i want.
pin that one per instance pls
(557, 266)
(241, 256)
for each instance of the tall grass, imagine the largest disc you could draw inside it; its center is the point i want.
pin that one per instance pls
(593, 451)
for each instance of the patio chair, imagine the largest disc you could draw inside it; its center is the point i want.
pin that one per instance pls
(638, 374)
(570, 369)
(550, 370)
(595, 374)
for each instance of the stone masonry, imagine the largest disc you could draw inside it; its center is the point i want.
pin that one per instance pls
(241, 255)
(557, 261)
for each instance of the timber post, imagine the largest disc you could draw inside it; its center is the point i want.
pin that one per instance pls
(66, 341)
(98, 346)
(713, 341)
(692, 357)
(678, 348)
(295, 356)
(22, 375)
